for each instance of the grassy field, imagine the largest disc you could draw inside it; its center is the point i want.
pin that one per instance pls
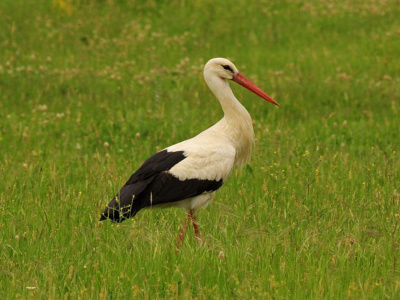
(90, 89)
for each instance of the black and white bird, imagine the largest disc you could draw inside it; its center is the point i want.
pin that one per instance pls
(188, 174)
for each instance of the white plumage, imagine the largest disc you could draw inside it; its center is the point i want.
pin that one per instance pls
(187, 174)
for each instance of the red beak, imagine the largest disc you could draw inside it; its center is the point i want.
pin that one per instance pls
(243, 81)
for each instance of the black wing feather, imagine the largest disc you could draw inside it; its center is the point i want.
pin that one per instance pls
(166, 188)
(161, 161)
(152, 184)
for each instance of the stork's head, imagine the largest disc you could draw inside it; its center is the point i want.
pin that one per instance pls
(225, 69)
(221, 67)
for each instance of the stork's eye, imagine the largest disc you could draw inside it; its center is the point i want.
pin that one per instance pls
(226, 67)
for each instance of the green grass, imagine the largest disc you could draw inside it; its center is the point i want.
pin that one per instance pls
(316, 214)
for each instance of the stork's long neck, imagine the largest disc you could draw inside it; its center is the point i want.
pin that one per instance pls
(237, 120)
(232, 108)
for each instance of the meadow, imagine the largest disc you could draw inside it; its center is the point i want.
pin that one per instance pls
(90, 89)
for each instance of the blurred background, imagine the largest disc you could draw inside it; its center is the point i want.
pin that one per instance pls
(90, 89)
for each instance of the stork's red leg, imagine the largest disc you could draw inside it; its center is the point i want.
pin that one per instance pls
(196, 228)
(184, 228)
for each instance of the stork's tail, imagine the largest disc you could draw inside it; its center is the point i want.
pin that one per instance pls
(122, 206)
(127, 202)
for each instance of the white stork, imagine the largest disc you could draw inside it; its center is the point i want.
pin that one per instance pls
(188, 174)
